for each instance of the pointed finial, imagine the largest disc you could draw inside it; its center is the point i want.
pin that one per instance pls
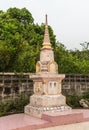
(46, 41)
(46, 21)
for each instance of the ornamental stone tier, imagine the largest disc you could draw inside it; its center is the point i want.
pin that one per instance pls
(47, 83)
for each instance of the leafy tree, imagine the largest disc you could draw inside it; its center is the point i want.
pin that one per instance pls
(71, 61)
(21, 40)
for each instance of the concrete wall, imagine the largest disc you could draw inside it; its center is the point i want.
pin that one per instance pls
(13, 85)
(75, 84)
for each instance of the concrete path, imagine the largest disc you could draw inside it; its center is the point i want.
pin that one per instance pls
(77, 126)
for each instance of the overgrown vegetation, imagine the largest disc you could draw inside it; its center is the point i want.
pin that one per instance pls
(13, 106)
(73, 100)
(21, 40)
(86, 95)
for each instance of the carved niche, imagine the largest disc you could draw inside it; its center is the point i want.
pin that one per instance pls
(38, 67)
(53, 67)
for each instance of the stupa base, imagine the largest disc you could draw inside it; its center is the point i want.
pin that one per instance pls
(39, 111)
(40, 104)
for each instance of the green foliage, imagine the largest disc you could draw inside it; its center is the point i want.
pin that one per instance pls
(86, 95)
(13, 106)
(73, 101)
(72, 61)
(21, 40)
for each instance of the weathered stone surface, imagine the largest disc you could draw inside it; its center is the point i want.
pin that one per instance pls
(39, 111)
(84, 103)
(47, 83)
(47, 100)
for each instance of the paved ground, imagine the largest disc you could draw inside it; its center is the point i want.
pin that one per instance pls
(52, 121)
(77, 126)
(18, 120)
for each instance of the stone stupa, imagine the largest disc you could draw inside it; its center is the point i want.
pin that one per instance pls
(47, 95)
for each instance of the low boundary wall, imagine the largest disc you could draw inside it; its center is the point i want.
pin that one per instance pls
(12, 85)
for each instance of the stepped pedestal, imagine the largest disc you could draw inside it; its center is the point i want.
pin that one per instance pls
(39, 105)
(47, 95)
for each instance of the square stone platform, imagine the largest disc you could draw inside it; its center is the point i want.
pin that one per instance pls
(52, 119)
(39, 104)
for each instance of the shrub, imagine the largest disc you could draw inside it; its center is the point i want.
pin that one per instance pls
(86, 95)
(73, 101)
(13, 106)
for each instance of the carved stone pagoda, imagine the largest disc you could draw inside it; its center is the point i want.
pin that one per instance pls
(47, 83)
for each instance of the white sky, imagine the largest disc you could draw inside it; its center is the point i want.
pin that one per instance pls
(68, 18)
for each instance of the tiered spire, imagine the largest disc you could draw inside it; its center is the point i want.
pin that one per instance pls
(46, 41)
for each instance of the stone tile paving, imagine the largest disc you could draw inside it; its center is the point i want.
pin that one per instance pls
(77, 126)
(26, 122)
(18, 120)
